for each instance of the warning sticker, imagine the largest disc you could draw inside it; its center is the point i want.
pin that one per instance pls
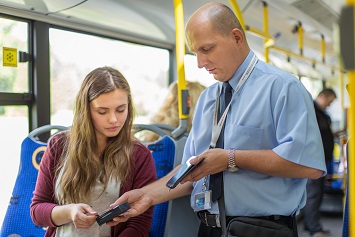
(9, 57)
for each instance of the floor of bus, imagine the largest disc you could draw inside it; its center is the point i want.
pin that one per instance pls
(330, 221)
(331, 214)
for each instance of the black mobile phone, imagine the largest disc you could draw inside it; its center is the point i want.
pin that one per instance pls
(181, 173)
(112, 213)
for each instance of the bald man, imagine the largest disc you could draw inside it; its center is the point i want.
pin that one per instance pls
(270, 142)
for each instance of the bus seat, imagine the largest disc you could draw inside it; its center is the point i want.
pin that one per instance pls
(176, 217)
(181, 218)
(17, 220)
(163, 152)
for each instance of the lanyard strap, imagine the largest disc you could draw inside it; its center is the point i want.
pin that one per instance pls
(217, 127)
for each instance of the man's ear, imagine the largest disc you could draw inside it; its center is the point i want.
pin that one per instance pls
(238, 35)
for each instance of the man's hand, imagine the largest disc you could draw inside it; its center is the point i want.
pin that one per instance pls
(215, 160)
(139, 202)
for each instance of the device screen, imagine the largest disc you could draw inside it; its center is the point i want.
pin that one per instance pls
(181, 173)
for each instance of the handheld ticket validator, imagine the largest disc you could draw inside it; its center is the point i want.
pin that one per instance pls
(182, 172)
(112, 213)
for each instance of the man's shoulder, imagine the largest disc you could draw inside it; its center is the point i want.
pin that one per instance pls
(269, 69)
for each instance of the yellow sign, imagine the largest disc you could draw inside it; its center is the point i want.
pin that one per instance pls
(9, 57)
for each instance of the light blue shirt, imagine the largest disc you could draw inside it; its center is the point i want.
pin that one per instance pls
(273, 110)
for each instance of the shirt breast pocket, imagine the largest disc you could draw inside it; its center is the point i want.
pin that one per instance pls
(243, 137)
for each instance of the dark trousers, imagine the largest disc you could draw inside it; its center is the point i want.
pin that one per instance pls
(207, 231)
(315, 191)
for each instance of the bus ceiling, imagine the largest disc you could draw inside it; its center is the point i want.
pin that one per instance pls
(153, 23)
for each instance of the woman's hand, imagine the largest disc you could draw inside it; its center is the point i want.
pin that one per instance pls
(82, 215)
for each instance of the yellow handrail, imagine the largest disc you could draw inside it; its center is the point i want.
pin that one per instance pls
(183, 95)
(300, 37)
(266, 30)
(347, 36)
(311, 60)
(351, 163)
(261, 34)
(322, 48)
(180, 52)
(238, 13)
(271, 40)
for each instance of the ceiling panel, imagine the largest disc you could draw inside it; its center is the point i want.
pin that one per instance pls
(154, 19)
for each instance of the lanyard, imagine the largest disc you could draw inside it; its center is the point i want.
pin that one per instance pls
(217, 127)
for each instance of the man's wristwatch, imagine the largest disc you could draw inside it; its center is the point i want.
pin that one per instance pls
(232, 167)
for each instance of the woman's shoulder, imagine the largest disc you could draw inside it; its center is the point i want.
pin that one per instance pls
(142, 156)
(140, 148)
(59, 138)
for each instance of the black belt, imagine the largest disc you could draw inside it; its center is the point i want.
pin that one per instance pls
(209, 219)
(213, 220)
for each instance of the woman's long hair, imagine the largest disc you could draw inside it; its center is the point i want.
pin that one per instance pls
(82, 165)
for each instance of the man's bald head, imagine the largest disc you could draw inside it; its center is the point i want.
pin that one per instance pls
(221, 18)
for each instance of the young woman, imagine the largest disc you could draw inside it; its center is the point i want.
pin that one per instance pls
(88, 167)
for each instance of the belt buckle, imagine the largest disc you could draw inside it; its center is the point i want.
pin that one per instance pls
(218, 222)
(205, 217)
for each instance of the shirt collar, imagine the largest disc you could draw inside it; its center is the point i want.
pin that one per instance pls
(238, 74)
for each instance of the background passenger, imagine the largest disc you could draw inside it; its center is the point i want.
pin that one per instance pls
(315, 187)
(169, 111)
(89, 166)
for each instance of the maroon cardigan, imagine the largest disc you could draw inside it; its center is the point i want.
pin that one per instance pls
(142, 173)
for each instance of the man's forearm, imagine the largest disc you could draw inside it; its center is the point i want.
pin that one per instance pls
(158, 192)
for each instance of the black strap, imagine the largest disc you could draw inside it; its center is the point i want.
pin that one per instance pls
(216, 181)
(222, 213)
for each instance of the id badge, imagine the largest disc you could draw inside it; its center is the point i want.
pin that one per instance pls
(203, 201)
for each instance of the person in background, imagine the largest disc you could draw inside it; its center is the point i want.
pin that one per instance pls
(88, 167)
(315, 187)
(271, 140)
(169, 111)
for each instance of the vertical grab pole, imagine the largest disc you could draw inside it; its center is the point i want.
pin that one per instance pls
(347, 50)
(323, 48)
(266, 30)
(341, 85)
(300, 37)
(238, 13)
(183, 96)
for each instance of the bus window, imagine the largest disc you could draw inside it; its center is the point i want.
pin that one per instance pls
(193, 73)
(13, 119)
(13, 130)
(73, 55)
(13, 36)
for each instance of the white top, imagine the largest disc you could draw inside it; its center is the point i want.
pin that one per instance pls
(100, 204)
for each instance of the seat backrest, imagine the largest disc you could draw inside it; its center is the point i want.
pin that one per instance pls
(17, 221)
(174, 218)
(181, 219)
(163, 152)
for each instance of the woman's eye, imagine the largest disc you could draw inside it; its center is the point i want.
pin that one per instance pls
(121, 109)
(206, 50)
(102, 112)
